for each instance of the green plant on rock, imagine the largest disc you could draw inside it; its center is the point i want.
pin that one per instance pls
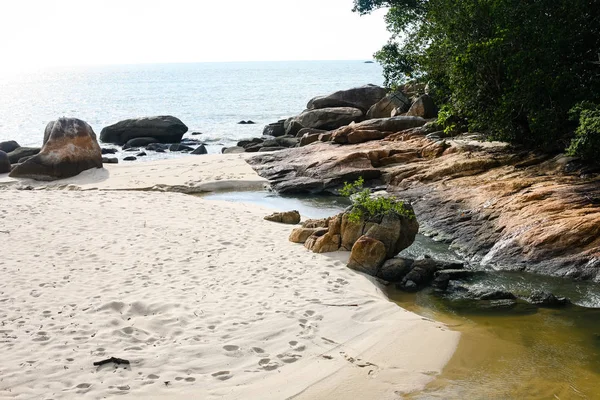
(366, 207)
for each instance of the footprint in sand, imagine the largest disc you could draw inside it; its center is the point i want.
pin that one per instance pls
(297, 346)
(233, 351)
(267, 364)
(289, 358)
(222, 375)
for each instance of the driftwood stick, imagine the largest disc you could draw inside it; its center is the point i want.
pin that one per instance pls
(341, 305)
(115, 360)
(7, 232)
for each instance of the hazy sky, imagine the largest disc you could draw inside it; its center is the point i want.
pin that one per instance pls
(73, 32)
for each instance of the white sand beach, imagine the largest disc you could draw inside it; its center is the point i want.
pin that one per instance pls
(205, 298)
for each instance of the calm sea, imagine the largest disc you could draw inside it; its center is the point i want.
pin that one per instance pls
(208, 97)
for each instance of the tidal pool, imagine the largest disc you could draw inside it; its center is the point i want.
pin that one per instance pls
(522, 353)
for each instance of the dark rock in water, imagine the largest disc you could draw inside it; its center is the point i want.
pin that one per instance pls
(165, 129)
(420, 275)
(15, 155)
(196, 133)
(4, 163)
(23, 159)
(274, 129)
(454, 274)
(180, 147)
(126, 146)
(249, 142)
(441, 282)
(141, 141)
(130, 158)
(9, 146)
(157, 147)
(108, 150)
(132, 149)
(395, 269)
(490, 294)
(110, 160)
(141, 154)
(249, 122)
(190, 141)
(232, 150)
(286, 217)
(545, 299)
(70, 148)
(361, 98)
(200, 150)
(160, 150)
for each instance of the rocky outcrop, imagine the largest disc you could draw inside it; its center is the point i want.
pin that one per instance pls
(70, 148)
(500, 207)
(200, 150)
(325, 118)
(384, 107)
(9, 146)
(165, 129)
(360, 97)
(286, 217)
(4, 163)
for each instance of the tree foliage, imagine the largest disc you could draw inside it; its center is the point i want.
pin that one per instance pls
(510, 68)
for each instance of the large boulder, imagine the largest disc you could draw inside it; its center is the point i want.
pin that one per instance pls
(384, 107)
(9, 146)
(360, 97)
(165, 129)
(367, 255)
(374, 129)
(4, 163)
(325, 118)
(70, 148)
(15, 155)
(423, 107)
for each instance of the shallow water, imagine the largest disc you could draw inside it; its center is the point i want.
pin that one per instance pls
(524, 353)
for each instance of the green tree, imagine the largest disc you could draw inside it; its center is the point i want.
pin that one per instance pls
(510, 68)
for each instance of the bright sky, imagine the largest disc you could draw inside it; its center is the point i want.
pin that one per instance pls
(43, 33)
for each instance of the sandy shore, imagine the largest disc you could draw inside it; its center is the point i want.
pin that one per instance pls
(205, 298)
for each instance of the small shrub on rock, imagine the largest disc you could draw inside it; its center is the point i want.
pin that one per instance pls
(366, 207)
(587, 136)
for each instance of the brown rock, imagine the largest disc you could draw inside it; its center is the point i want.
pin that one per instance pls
(326, 243)
(286, 217)
(335, 225)
(423, 107)
(312, 239)
(300, 235)
(384, 107)
(350, 232)
(70, 148)
(350, 135)
(309, 138)
(367, 255)
(325, 118)
(396, 232)
(316, 223)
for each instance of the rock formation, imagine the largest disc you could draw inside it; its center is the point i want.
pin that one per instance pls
(361, 97)
(165, 129)
(499, 206)
(70, 147)
(286, 217)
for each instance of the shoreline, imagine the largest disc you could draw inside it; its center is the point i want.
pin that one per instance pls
(145, 276)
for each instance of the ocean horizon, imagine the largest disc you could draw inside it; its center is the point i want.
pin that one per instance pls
(209, 97)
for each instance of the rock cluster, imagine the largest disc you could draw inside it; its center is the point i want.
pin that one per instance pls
(370, 242)
(164, 129)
